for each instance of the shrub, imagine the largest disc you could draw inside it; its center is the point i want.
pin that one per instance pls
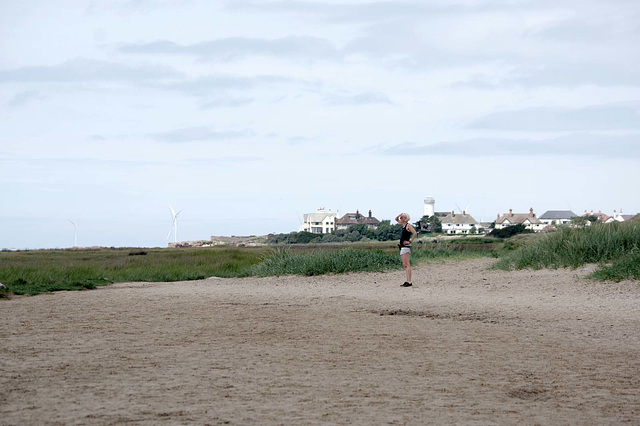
(573, 247)
(510, 231)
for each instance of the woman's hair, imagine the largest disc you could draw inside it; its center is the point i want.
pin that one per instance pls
(406, 215)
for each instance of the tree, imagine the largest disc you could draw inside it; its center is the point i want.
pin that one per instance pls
(510, 231)
(429, 224)
(582, 221)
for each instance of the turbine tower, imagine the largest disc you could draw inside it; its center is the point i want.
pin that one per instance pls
(75, 233)
(174, 224)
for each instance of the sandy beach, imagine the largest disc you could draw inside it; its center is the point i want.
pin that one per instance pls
(465, 345)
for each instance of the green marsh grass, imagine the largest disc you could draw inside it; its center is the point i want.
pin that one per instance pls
(573, 247)
(33, 272)
(285, 261)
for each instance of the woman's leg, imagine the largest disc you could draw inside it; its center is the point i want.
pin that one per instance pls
(406, 262)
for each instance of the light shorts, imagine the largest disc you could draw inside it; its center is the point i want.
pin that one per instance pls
(405, 250)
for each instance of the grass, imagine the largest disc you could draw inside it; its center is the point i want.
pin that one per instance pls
(614, 246)
(33, 272)
(627, 267)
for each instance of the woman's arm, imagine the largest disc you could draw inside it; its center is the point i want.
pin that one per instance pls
(412, 230)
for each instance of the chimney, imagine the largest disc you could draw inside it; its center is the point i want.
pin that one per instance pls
(464, 212)
(369, 212)
(453, 214)
(531, 212)
(498, 216)
(510, 212)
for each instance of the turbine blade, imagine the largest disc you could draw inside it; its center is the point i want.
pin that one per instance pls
(173, 212)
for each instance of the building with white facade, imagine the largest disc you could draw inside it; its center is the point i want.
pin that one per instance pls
(557, 217)
(619, 217)
(529, 220)
(320, 222)
(461, 223)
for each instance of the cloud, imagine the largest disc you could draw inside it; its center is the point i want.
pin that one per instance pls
(197, 134)
(368, 98)
(600, 117)
(204, 86)
(205, 162)
(555, 73)
(24, 98)
(233, 48)
(574, 145)
(66, 163)
(82, 70)
(226, 103)
(353, 13)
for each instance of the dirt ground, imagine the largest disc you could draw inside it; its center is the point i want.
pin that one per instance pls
(465, 345)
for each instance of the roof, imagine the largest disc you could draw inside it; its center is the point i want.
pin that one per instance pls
(558, 214)
(317, 217)
(518, 218)
(357, 219)
(602, 216)
(459, 219)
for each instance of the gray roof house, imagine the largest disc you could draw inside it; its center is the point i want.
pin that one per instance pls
(557, 217)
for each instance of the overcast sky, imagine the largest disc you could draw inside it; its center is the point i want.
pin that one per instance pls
(248, 114)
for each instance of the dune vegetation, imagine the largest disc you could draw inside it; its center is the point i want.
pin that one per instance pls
(615, 247)
(33, 272)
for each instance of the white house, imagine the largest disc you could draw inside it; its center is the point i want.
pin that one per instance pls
(529, 220)
(320, 222)
(461, 223)
(557, 217)
(619, 217)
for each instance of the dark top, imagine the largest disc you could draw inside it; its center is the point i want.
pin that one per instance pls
(405, 236)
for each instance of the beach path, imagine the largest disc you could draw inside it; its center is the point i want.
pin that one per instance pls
(465, 345)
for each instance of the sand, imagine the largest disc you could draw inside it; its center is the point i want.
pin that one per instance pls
(465, 345)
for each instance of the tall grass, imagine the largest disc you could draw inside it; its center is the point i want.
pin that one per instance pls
(627, 267)
(573, 247)
(33, 272)
(287, 262)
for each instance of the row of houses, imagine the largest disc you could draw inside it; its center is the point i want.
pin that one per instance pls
(324, 222)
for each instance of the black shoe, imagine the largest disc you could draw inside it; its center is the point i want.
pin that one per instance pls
(406, 284)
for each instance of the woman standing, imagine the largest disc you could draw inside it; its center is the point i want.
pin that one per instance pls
(407, 236)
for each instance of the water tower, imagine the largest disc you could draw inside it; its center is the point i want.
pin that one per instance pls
(429, 206)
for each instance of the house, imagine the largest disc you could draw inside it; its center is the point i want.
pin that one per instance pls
(351, 219)
(529, 220)
(461, 223)
(557, 217)
(619, 217)
(320, 222)
(599, 215)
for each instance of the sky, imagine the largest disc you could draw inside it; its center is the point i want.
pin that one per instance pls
(247, 114)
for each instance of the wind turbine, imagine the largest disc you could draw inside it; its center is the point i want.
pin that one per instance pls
(174, 224)
(465, 211)
(75, 232)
